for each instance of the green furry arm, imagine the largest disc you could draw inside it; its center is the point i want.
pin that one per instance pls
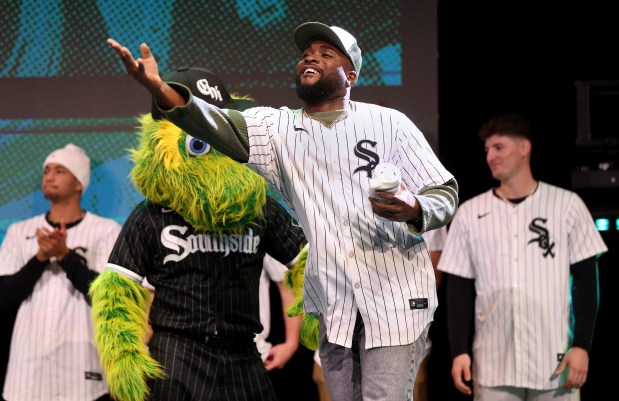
(309, 332)
(310, 326)
(119, 316)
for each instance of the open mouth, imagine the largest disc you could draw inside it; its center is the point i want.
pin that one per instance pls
(310, 71)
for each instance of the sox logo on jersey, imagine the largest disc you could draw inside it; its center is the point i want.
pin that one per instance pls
(543, 238)
(491, 240)
(367, 155)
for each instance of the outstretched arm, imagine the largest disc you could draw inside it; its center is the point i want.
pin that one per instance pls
(145, 71)
(225, 131)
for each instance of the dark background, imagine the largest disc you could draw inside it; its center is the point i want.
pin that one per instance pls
(525, 57)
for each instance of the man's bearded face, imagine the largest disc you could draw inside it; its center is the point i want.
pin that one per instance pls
(327, 87)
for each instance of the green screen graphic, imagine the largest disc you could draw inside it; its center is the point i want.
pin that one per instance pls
(249, 41)
(54, 54)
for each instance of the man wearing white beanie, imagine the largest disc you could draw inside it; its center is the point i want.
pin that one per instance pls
(74, 159)
(48, 263)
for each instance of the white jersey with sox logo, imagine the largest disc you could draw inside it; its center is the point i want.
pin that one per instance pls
(356, 263)
(53, 356)
(519, 256)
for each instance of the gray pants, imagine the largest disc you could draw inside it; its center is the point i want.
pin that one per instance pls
(388, 373)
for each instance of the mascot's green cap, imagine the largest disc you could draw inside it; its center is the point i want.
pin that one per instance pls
(207, 86)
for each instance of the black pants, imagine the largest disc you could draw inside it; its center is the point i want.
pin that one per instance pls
(196, 371)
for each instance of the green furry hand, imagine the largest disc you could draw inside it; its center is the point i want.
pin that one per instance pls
(119, 314)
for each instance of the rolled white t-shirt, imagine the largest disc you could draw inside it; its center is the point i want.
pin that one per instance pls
(272, 270)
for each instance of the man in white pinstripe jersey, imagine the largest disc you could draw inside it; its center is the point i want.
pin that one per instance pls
(369, 280)
(47, 263)
(522, 260)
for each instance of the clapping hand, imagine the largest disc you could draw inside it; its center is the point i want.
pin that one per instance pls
(52, 243)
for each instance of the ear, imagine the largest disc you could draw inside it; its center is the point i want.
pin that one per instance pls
(525, 146)
(351, 78)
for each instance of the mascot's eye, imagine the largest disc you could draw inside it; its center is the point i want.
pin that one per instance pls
(196, 147)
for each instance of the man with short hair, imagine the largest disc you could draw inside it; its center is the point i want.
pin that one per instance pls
(47, 264)
(368, 278)
(522, 265)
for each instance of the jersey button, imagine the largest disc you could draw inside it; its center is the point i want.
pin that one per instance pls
(357, 285)
(351, 254)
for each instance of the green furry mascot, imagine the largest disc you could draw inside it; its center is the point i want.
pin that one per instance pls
(214, 194)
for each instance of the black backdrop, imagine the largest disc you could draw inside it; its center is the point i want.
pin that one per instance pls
(525, 56)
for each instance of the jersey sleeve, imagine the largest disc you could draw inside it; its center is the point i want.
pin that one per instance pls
(10, 259)
(224, 129)
(285, 239)
(108, 234)
(419, 164)
(456, 255)
(584, 239)
(132, 252)
(425, 176)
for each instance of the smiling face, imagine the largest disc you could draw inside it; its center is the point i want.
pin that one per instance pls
(507, 156)
(323, 73)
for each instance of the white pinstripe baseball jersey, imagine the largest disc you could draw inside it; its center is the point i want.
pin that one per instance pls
(323, 172)
(520, 257)
(53, 356)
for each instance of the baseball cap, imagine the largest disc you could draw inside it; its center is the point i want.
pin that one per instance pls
(344, 41)
(74, 159)
(207, 86)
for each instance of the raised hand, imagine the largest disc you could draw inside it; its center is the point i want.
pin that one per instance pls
(144, 69)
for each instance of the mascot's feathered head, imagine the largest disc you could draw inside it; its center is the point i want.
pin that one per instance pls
(209, 190)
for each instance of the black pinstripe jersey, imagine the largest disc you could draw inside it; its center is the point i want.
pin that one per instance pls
(205, 283)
